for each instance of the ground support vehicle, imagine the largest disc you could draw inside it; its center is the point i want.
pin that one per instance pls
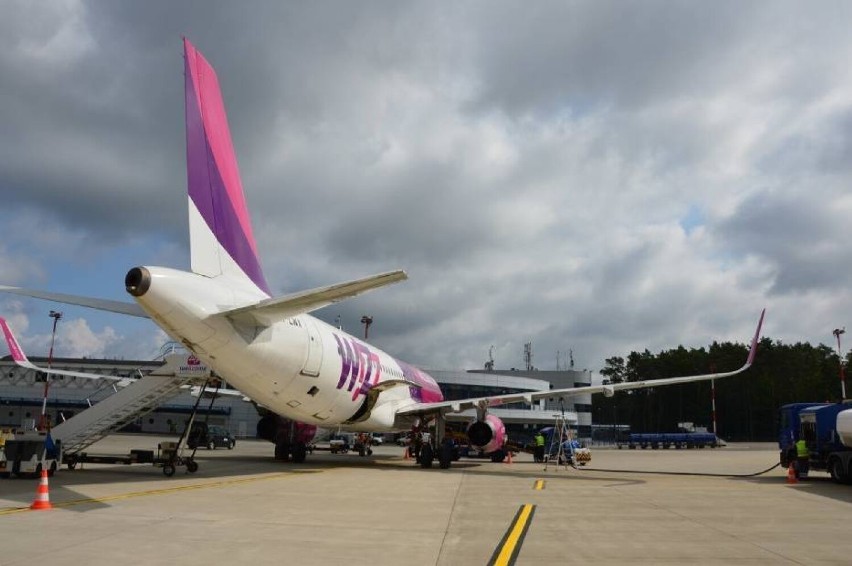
(573, 454)
(135, 457)
(28, 455)
(675, 440)
(827, 431)
(169, 458)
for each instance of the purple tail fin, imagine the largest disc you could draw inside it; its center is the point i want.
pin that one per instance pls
(221, 237)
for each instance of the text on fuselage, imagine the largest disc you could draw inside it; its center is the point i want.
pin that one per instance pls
(360, 368)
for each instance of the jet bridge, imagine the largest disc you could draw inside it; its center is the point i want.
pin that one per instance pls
(136, 397)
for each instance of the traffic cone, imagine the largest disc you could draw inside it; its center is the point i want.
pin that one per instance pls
(407, 455)
(508, 459)
(42, 498)
(791, 474)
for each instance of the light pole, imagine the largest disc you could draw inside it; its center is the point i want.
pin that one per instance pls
(44, 425)
(837, 332)
(366, 321)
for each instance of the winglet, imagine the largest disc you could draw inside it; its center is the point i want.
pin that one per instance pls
(14, 348)
(753, 351)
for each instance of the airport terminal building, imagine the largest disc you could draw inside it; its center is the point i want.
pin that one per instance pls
(22, 392)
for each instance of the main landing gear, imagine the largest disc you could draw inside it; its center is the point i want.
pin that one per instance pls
(439, 446)
(285, 450)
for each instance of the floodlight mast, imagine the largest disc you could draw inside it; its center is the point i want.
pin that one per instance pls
(366, 320)
(837, 332)
(44, 423)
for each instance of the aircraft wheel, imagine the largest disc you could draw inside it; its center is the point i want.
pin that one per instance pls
(445, 457)
(300, 451)
(426, 456)
(168, 470)
(498, 456)
(282, 451)
(191, 466)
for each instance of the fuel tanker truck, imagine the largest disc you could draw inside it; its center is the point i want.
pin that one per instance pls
(827, 430)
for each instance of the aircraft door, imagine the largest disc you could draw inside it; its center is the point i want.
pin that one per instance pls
(314, 358)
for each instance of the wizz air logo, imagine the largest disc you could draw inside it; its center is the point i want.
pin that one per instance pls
(361, 368)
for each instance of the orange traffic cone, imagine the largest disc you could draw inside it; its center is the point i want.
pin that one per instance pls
(42, 499)
(407, 455)
(508, 459)
(791, 474)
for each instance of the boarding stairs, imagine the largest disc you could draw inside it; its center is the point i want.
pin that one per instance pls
(138, 397)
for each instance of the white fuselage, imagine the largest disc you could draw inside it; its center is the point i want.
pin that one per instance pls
(298, 367)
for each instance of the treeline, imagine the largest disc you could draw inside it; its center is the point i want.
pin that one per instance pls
(746, 405)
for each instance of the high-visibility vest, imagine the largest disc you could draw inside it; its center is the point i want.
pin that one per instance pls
(802, 449)
(539, 440)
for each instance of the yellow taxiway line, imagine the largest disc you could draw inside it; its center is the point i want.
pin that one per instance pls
(508, 549)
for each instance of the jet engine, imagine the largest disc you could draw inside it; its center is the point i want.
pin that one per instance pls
(488, 435)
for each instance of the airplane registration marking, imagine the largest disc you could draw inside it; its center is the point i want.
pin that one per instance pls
(129, 495)
(510, 546)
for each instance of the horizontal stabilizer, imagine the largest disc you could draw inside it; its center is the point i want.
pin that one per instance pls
(269, 310)
(100, 304)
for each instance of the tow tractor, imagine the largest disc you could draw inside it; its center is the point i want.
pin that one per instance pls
(27, 454)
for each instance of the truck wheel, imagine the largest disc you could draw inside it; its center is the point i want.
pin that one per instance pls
(191, 466)
(838, 474)
(211, 445)
(168, 470)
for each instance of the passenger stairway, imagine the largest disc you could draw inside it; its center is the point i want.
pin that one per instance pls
(137, 398)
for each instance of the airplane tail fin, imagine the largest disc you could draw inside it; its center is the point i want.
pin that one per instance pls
(221, 239)
(18, 355)
(20, 359)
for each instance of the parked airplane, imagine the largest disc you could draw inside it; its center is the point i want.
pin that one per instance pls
(301, 369)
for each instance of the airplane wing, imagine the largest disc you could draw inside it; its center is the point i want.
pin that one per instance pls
(131, 309)
(269, 310)
(20, 358)
(608, 390)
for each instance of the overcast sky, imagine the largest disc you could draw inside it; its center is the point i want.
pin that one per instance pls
(599, 177)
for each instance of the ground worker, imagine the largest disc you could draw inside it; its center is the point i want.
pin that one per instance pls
(538, 456)
(802, 459)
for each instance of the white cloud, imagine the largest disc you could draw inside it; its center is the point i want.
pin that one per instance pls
(593, 176)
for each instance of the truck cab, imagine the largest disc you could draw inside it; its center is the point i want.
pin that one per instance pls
(790, 417)
(822, 426)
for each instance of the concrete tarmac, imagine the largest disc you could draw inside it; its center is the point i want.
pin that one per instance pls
(241, 507)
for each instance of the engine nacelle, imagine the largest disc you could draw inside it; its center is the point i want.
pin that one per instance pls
(275, 429)
(487, 435)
